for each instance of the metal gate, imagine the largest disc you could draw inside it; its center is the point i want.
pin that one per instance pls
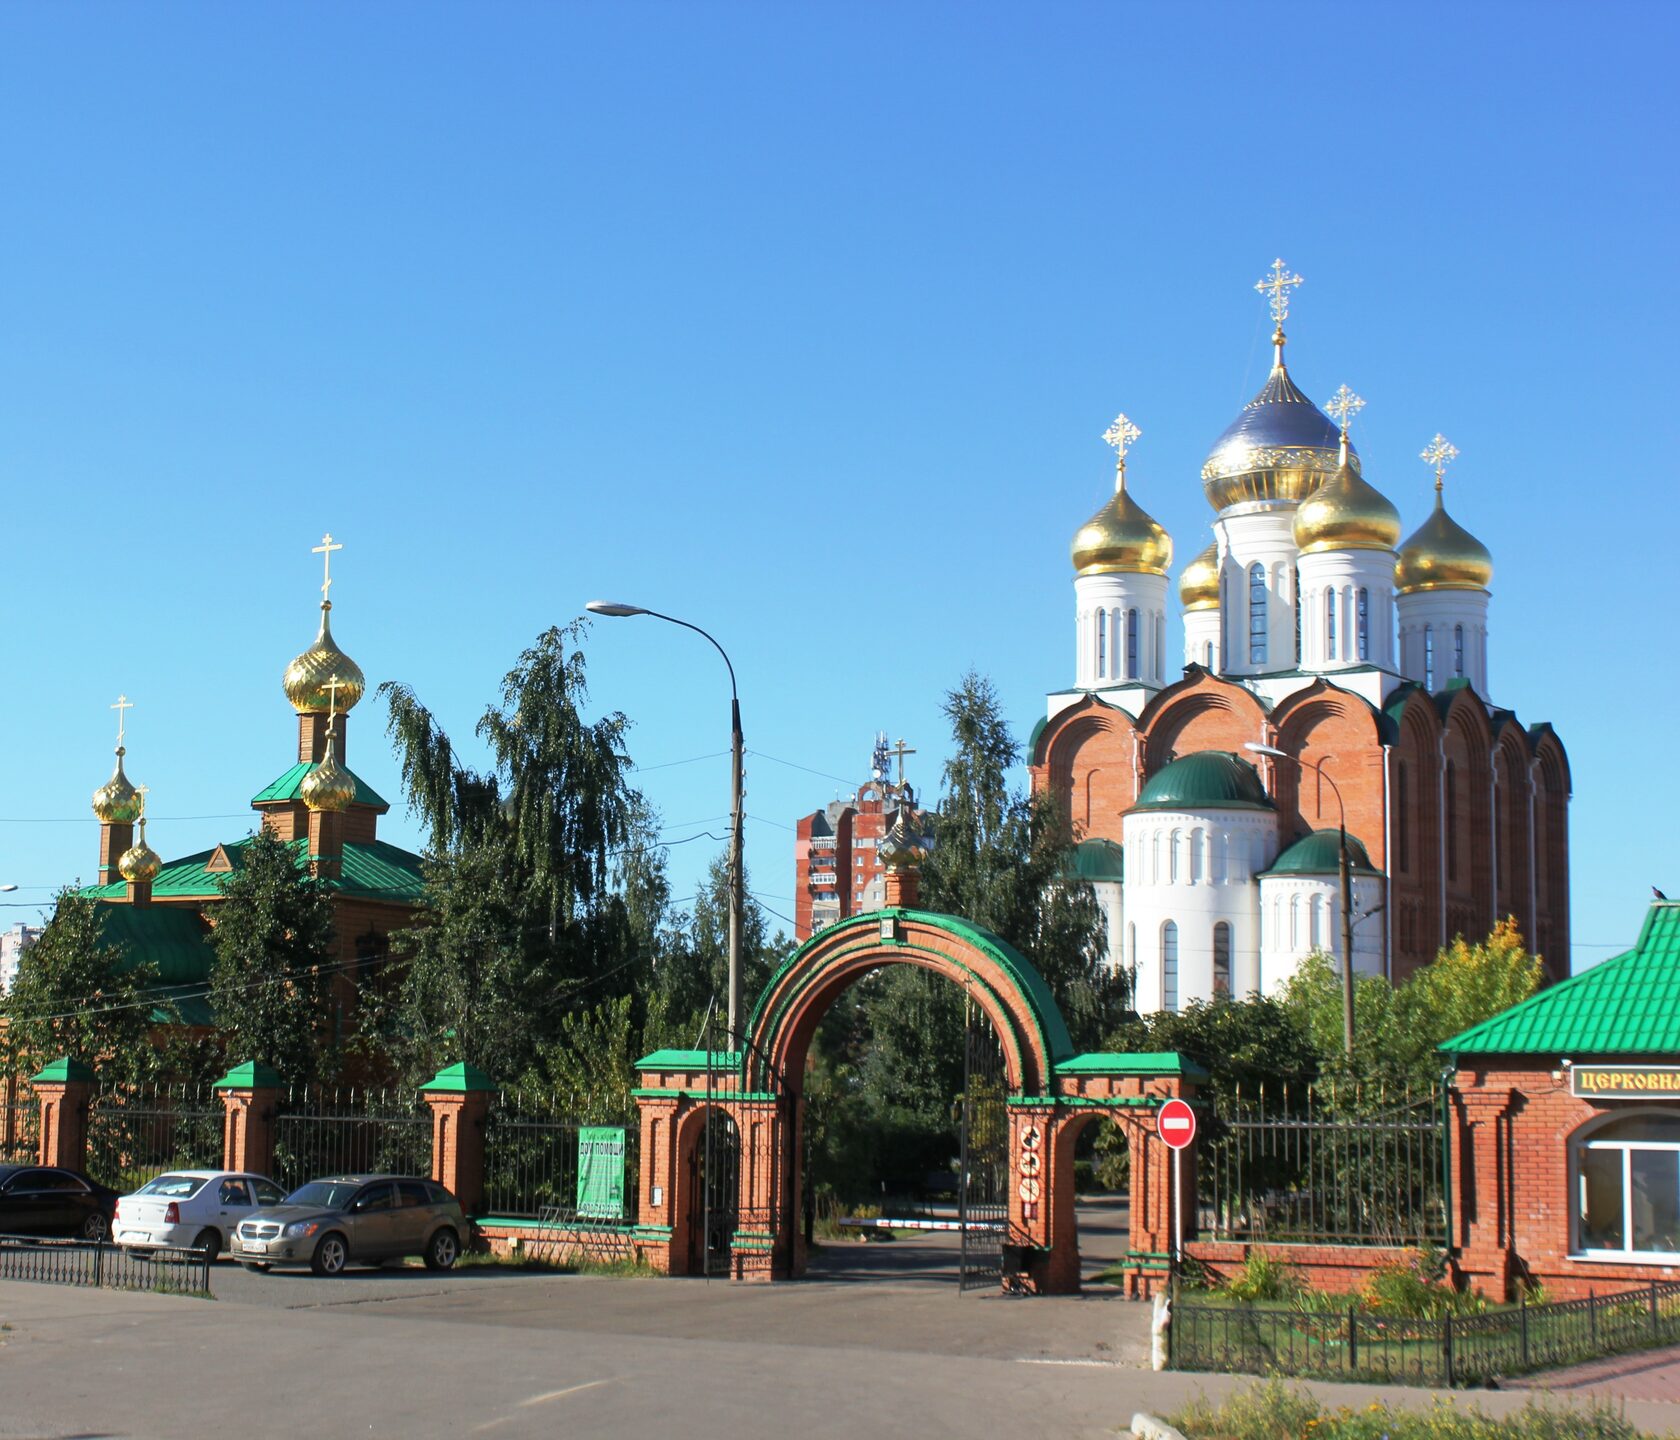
(714, 1191)
(982, 1198)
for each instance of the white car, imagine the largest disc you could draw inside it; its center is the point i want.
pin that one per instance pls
(190, 1210)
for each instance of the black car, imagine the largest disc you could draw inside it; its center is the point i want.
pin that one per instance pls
(45, 1200)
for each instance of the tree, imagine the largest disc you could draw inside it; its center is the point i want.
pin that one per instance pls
(1240, 1043)
(76, 994)
(694, 970)
(270, 984)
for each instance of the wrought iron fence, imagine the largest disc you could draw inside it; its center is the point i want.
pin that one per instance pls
(99, 1265)
(1447, 1350)
(20, 1120)
(136, 1132)
(350, 1131)
(540, 1164)
(1325, 1164)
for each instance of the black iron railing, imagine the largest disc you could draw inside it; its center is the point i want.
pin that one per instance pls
(20, 1120)
(136, 1132)
(1324, 1164)
(100, 1265)
(534, 1161)
(322, 1132)
(1355, 1344)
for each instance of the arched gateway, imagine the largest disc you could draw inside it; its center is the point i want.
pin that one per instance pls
(754, 1097)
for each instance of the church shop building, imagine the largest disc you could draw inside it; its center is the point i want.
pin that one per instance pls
(1566, 1128)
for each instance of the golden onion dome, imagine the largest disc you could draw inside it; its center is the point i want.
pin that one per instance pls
(1198, 586)
(1121, 537)
(1346, 513)
(900, 847)
(117, 802)
(329, 786)
(140, 864)
(1281, 447)
(306, 677)
(1442, 555)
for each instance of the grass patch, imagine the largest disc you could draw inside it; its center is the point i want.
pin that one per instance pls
(538, 1264)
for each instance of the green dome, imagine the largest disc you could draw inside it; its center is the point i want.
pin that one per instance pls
(1207, 780)
(1097, 860)
(1320, 854)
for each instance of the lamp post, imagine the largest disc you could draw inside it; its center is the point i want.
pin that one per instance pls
(1346, 879)
(737, 876)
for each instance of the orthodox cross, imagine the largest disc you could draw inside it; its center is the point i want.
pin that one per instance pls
(123, 704)
(1439, 452)
(325, 551)
(1120, 435)
(333, 682)
(901, 750)
(1279, 283)
(1342, 407)
(142, 791)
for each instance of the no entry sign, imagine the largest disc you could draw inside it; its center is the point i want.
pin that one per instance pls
(1176, 1124)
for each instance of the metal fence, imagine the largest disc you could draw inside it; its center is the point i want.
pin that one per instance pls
(350, 1131)
(1449, 1350)
(1325, 1164)
(102, 1266)
(20, 1120)
(533, 1164)
(136, 1132)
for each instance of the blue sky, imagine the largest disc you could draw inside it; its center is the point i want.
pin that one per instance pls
(802, 322)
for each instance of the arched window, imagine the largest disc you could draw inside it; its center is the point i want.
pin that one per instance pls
(1428, 657)
(1102, 643)
(1207, 655)
(1363, 603)
(1257, 614)
(1452, 822)
(1628, 1187)
(1294, 922)
(1172, 857)
(1131, 948)
(1160, 660)
(1169, 966)
(1221, 959)
(1197, 839)
(1218, 859)
(1131, 644)
(1458, 651)
(1155, 871)
(1315, 930)
(1295, 599)
(1403, 816)
(1329, 624)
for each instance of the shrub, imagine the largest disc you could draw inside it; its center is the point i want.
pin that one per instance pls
(1408, 1289)
(1262, 1278)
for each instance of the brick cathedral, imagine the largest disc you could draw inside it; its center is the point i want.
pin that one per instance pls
(1311, 629)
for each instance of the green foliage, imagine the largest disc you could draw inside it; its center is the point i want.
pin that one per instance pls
(1262, 1278)
(1416, 1289)
(269, 984)
(1241, 1043)
(75, 995)
(592, 1067)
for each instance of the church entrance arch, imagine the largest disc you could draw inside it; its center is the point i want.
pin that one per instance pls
(1049, 1095)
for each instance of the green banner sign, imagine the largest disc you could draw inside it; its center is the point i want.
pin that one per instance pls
(600, 1190)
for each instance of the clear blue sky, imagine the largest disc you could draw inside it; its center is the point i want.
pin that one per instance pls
(802, 322)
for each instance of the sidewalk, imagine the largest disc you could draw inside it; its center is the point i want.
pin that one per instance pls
(1651, 1376)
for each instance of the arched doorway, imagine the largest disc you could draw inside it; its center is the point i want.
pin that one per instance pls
(1050, 1095)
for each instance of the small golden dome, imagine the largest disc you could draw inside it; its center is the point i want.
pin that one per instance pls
(306, 677)
(901, 849)
(329, 786)
(1346, 513)
(1198, 586)
(1122, 536)
(140, 864)
(116, 802)
(1442, 555)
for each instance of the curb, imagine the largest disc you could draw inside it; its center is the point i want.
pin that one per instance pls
(1147, 1427)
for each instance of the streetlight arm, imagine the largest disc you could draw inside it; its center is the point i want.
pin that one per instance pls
(690, 625)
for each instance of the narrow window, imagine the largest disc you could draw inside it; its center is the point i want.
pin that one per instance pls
(1196, 857)
(1172, 857)
(1428, 657)
(1329, 624)
(1131, 644)
(1452, 822)
(1207, 655)
(1102, 643)
(1294, 922)
(1160, 660)
(1131, 947)
(1315, 936)
(1256, 614)
(1295, 598)
(1403, 816)
(1169, 966)
(1221, 959)
(1363, 601)
(1458, 651)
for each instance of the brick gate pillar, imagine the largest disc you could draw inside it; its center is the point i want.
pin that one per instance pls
(1481, 1175)
(251, 1102)
(763, 1245)
(459, 1097)
(1041, 1248)
(659, 1239)
(63, 1090)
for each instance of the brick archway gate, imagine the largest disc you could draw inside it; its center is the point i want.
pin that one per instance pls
(1053, 1094)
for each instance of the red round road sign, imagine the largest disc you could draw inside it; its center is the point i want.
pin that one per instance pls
(1176, 1124)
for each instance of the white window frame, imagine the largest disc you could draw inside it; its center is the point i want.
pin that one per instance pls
(1585, 1140)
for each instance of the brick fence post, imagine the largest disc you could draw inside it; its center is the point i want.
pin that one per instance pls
(459, 1097)
(251, 1101)
(63, 1091)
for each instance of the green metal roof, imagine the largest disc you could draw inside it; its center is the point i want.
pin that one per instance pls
(461, 1078)
(1629, 1005)
(1098, 860)
(1320, 853)
(375, 871)
(170, 937)
(288, 785)
(1207, 780)
(1139, 1063)
(690, 1060)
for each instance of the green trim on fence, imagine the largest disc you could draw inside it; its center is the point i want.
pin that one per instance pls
(524, 1222)
(252, 1075)
(459, 1079)
(653, 1232)
(1081, 1102)
(63, 1071)
(700, 1094)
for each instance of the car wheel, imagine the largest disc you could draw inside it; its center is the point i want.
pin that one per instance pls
(256, 1267)
(209, 1243)
(331, 1255)
(443, 1250)
(96, 1227)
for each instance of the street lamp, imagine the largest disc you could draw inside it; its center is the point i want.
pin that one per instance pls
(1346, 879)
(737, 876)
(7, 888)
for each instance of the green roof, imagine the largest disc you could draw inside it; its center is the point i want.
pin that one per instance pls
(375, 871)
(170, 937)
(690, 1060)
(1139, 1063)
(252, 1075)
(461, 1078)
(287, 787)
(1321, 854)
(64, 1070)
(1629, 1005)
(1097, 860)
(1207, 780)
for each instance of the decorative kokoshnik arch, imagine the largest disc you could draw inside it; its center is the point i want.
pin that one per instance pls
(1052, 1095)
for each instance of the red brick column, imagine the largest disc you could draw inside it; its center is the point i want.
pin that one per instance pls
(1481, 1221)
(251, 1102)
(1042, 1230)
(761, 1249)
(63, 1090)
(460, 1100)
(661, 1236)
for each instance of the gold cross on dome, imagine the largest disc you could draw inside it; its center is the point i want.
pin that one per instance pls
(1120, 435)
(1439, 452)
(1279, 283)
(901, 750)
(325, 551)
(333, 682)
(123, 704)
(142, 791)
(1342, 407)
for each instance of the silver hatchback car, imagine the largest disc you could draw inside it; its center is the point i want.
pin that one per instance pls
(353, 1219)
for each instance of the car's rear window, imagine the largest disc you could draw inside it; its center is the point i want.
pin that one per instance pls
(173, 1187)
(323, 1194)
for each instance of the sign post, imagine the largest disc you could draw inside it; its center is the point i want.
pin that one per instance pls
(1175, 1123)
